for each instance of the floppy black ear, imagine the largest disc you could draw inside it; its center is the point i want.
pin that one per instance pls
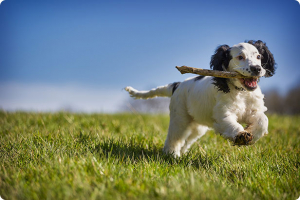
(220, 58)
(267, 61)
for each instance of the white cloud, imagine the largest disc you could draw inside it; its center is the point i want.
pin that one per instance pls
(42, 97)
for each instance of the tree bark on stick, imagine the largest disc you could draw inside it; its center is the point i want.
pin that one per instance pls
(206, 72)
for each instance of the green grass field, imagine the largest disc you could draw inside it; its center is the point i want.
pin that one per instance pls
(98, 156)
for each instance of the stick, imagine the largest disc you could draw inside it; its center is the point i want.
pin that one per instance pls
(206, 72)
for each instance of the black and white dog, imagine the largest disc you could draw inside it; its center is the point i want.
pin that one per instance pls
(200, 103)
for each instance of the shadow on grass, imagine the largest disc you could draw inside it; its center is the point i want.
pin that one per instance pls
(134, 152)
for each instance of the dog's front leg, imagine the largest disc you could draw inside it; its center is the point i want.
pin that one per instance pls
(257, 125)
(227, 125)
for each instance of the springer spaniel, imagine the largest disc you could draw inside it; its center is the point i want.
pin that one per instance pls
(200, 103)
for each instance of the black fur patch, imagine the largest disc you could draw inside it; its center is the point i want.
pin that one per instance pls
(219, 61)
(198, 78)
(175, 86)
(221, 84)
(221, 58)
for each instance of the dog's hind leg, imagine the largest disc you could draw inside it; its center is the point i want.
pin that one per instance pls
(178, 131)
(197, 131)
(176, 137)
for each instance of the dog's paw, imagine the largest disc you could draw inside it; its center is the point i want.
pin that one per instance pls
(243, 138)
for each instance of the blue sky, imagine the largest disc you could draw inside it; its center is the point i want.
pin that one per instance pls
(55, 54)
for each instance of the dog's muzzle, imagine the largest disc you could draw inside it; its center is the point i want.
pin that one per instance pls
(255, 69)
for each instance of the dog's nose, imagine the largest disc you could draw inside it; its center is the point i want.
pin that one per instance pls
(255, 69)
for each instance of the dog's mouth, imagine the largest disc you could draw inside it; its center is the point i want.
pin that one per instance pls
(249, 83)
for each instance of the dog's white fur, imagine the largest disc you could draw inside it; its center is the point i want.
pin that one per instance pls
(197, 105)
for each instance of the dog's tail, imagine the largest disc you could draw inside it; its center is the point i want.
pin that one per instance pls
(162, 91)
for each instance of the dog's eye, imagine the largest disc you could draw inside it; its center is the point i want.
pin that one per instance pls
(240, 57)
(258, 57)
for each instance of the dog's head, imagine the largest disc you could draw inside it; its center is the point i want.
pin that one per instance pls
(251, 59)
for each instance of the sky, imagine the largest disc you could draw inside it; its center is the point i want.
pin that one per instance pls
(81, 54)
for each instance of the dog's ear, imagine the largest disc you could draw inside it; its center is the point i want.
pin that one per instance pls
(267, 61)
(220, 58)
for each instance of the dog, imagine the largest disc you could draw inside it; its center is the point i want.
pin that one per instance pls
(201, 103)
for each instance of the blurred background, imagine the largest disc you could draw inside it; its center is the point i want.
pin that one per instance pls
(78, 56)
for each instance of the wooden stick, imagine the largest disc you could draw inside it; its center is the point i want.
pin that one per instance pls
(206, 72)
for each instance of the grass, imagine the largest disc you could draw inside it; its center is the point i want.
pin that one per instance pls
(98, 156)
